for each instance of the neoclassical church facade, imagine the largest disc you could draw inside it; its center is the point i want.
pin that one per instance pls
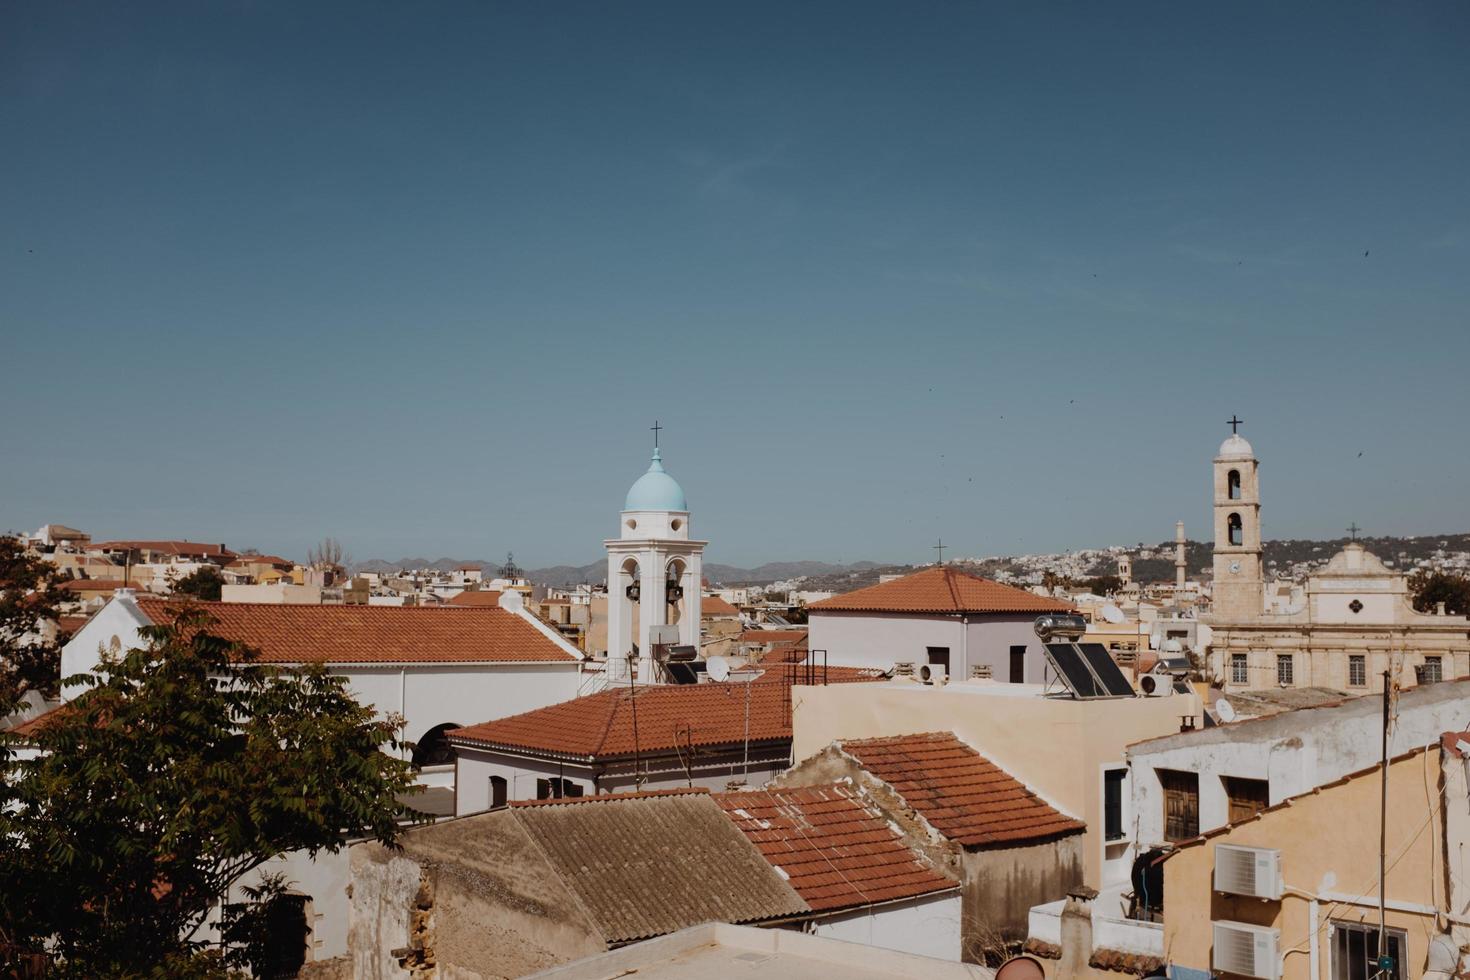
(1351, 622)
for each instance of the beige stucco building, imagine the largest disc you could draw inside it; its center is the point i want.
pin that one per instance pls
(1349, 624)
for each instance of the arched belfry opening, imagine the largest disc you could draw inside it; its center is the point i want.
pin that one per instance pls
(434, 748)
(654, 573)
(1232, 484)
(1235, 530)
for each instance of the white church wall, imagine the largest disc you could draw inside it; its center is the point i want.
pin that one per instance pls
(927, 926)
(428, 695)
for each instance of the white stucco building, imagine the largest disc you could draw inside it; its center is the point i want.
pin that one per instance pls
(437, 667)
(940, 616)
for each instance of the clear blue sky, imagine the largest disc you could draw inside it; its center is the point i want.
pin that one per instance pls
(420, 275)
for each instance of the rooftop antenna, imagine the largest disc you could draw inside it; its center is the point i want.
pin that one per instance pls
(939, 547)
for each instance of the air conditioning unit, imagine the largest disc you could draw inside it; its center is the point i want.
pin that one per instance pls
(1251, 871)
(1155, 685)
(1246, 950)
(933, 674)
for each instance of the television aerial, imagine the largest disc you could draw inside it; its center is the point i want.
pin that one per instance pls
(718, 668)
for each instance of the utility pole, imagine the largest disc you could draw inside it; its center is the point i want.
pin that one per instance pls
(1385, 962)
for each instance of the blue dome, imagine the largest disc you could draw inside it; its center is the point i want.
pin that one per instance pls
(656, 490)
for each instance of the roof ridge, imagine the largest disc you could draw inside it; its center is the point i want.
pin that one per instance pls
(953, 593)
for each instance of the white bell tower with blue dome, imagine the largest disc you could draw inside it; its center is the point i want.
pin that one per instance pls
(655, 571)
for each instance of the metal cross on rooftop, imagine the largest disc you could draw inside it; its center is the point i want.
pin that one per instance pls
(939, 547)
(1235, 424)
(1353, 529)
(655, 427)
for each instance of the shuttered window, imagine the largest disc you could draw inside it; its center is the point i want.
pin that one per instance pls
(1248, 797)
(1113, 803)
(1181, 804)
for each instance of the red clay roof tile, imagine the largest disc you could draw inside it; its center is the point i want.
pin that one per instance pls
(962, 794)
(940, 590)
(668, 716)
(372, 634)
(836, 852)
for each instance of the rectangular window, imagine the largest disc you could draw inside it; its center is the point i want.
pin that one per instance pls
(1432, 672)
(1355, 951)
(543, 789)
(1181, 804)
(939, 657)
(1357, 670)
(1284, 670)
(1247, 797)
(1239, 673)
(497, 792)
(1018, 665)
(1113, 803)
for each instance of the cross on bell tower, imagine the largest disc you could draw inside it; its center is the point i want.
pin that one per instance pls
(939, 547)
(1353, 530)
(656, 428)
(1234, 424)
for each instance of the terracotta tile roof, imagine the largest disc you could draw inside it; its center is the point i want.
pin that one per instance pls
(669, 717)
(713, 605)
(835, 851)
(480, 599)
(651, 864)
(29, 728)
(962, 794)
(70, 624)
(940, 590)
(372, 634)
(93, 584)
(180, 548)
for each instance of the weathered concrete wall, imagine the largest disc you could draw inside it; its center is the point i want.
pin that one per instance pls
(1002, 884)
(468, 898)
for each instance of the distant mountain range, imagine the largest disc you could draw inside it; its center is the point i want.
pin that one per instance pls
(1279, 554)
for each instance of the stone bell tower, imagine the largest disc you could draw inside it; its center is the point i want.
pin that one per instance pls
(655, 566)
(1239, 590)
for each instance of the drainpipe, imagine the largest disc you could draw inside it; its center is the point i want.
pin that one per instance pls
(403, 703)
(1313, 949)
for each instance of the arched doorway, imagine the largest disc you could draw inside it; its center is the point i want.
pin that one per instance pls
(434, 748)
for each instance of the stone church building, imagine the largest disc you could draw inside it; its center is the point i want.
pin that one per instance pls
(1351, 621)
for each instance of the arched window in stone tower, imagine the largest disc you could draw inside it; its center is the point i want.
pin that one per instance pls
(1236, 532)
(1233, 483)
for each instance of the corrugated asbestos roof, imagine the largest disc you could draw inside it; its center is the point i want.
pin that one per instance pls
(652, 864)
(940, 590)
(962, 794)
(835, 851)
(371, 634)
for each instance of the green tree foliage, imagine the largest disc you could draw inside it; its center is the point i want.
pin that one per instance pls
(1104, 585)
(29, 596)
(181, 768)
(203, 583)
(1431, 588)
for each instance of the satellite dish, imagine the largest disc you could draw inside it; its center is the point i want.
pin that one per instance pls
(1224, 711)
(1112, 613)
(718, 668)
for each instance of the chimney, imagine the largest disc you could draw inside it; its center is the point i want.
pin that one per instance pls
(1077, 933)
(1179, 556)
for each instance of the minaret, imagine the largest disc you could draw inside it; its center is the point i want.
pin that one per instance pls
(1179, 576)
(1239, 590)
(654, 564)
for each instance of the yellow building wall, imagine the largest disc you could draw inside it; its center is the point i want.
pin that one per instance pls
(1329, 847)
